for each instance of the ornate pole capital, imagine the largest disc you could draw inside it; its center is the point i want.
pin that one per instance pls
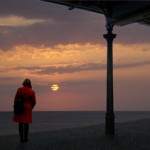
(109, 36)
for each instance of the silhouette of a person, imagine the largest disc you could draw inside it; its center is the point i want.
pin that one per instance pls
(29, 101)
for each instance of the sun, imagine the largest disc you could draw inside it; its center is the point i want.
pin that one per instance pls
(54, 87)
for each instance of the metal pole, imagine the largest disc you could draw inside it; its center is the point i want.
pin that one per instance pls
(109, 120)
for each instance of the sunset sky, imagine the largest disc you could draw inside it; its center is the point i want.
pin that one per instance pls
(49, 44)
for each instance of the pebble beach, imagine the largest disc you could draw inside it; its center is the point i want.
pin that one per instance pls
(133, 135)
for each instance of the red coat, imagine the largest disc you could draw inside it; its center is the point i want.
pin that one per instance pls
(29, 103)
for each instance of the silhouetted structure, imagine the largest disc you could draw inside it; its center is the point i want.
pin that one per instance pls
(118, 13)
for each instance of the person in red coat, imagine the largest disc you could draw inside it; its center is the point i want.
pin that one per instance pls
(29, 101)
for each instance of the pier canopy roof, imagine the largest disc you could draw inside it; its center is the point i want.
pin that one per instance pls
(120, 13)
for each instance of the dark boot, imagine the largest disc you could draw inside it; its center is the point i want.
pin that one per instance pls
(21, 132)
(26, 131)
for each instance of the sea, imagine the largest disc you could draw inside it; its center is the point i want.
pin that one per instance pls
(57, 120)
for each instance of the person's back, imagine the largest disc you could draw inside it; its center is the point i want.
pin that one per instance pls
(29, 101)
(29, 96)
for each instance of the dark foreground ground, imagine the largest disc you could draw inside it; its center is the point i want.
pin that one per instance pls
(133, 135)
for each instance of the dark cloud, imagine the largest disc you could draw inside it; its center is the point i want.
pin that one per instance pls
(27, 9)
(48, 34)
(71, 69)
(133, 64)
(42, 10)
(61, 26)
(132, 34)
(65, 69)
(145, 49)
(78, 68)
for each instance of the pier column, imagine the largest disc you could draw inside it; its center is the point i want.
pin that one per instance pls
(109, 119)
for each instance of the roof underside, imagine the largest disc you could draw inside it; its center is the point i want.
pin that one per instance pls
(119, 12)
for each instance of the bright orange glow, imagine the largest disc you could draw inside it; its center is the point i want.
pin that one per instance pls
(55, 87)
(80, 71)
